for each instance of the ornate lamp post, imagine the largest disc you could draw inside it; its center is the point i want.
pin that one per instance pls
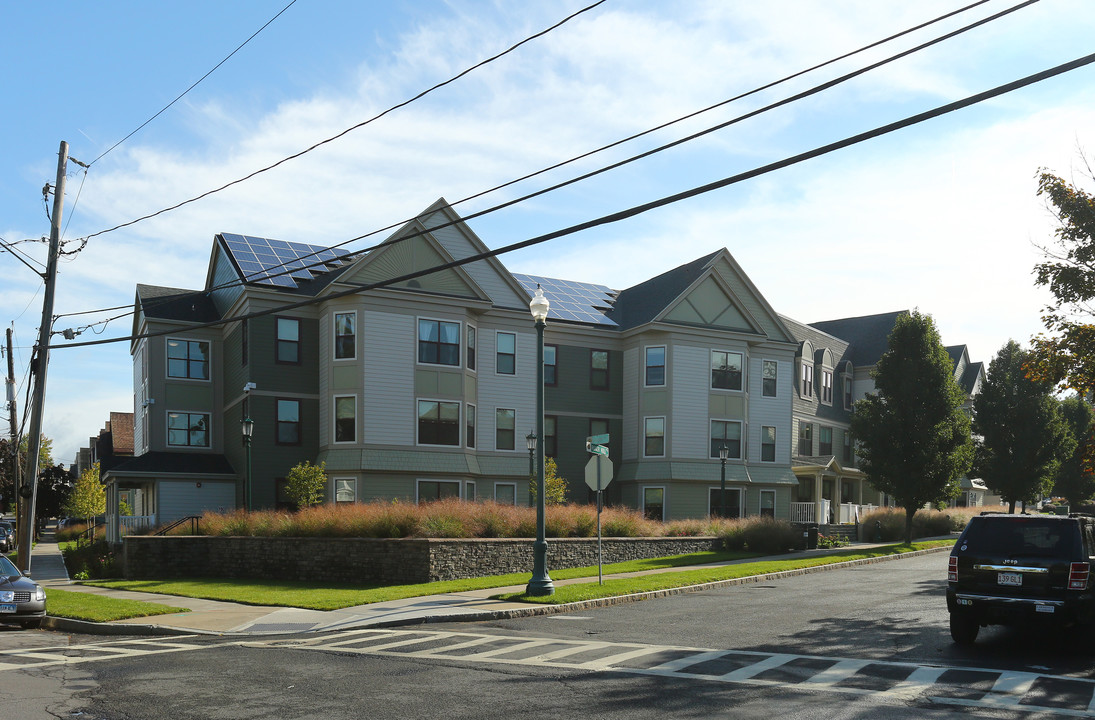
(530, 443)
(247, 427)
(724, 452)
(540, 584)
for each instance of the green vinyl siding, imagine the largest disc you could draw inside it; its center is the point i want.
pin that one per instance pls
(572, 390)
(190, 396)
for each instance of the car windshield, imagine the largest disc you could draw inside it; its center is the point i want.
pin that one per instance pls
(1022, 536)
(7, 568)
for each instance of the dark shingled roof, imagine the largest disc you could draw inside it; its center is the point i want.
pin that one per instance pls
(176, 462)
(176, 304)
(643, 302)
(867, 336)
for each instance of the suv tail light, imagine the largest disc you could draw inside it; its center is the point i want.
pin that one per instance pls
(1078, 574)
(952, 572)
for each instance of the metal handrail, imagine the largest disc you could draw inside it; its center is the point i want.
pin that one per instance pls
(192, 519)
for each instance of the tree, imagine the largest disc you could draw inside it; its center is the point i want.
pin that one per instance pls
(306, 483)
(1023, 437)
(914, 437)
(88, 496)
(1074, 478)
(9, 461)
(54, 486)
(555, 487)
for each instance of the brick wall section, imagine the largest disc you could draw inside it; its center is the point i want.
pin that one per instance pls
(381, 561)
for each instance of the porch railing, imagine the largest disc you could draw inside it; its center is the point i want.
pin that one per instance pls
(803, 512)
(851, 513)
(132, 524)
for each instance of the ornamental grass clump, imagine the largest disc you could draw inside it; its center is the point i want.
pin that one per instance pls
(769, 536)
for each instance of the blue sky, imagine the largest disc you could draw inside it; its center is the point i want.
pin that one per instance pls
(942, 216)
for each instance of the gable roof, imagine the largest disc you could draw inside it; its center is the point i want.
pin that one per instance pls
(867, 336)
(165, 303)
(641, 303)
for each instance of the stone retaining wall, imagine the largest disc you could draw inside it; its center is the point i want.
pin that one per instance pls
(371, 560)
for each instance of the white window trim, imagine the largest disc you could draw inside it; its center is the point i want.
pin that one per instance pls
(775, 499)
(418, 484)
(516, 437)
(848, 389)
(665, 365)
(466, 350)
(505, 484)
(820, 430)
(741, 500)
(334, 336)
(496, 353)
(470, 485)
(665, 498)
(334, 490)
(208, 430)
(167, 362)
(827, 372)
(459, 421)
(461, 340)
(744, 374)
(665, 434)
(334, 420)
(741, 437)
(471, 411)
(806, 386)
(776, 363)
(775, 443)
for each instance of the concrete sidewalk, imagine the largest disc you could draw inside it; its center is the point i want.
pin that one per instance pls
(212, 617)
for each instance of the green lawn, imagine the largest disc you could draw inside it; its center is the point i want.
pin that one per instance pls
(96, 608)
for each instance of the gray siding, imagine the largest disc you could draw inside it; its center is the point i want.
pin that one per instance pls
(388, 415)
(487, 277)
(633, 428)
(688, 428)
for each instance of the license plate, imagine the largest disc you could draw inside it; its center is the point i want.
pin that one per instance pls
(7, 608)
(1009, 579)
(1043, 608)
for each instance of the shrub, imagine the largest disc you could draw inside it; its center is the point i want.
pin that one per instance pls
(91, 561)
(770, 536)
(733, 537)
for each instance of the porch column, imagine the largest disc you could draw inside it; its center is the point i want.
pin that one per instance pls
(817, 500)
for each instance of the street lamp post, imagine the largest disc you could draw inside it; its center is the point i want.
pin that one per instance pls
(724, 452)
(247, 426)
(530, 443)
(540, 584)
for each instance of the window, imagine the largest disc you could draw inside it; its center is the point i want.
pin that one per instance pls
(807, 379)
(345, 336)
(827, 387)
(244, 342)
(188, 429)
(471, 347)
(805, 439)
(438, 342)
(507, 354)
(469, 490)
(598, 426)
(598, 369)
(769, 374)
(767, 444)
(728, 433)
(847, 446)
(551, 444)
(825, 441)
(346, 419)
(288, 422)
(767, 503)
(188, 359)
(655, 366)
(654, 503)
(288, 341)
(429, 490)
(654, 433)
(345, 490)
(732, 508)
(725, 370)
(505, 493)
(438, 423)
(505, 423)
(470, 438)
(550, 369)
(847, 392)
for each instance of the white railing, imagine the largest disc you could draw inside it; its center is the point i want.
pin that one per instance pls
(851, 513)
(136, 523)
(802, 512)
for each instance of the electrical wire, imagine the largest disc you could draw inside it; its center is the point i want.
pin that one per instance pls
(184, 92)
(265, 273)
(355, 127)
(637, 210)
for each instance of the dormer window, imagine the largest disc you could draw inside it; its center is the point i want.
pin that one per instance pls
(827, 386)
(807, 378)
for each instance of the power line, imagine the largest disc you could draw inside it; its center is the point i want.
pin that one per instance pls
(351, 129)
(645, 207)
(184, 92)
(798, 96)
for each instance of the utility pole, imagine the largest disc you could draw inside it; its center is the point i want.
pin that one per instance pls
(13, 416)
(39, 364)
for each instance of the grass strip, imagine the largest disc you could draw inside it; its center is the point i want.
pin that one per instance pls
(313, 596)
(616, 587)
(98, 608)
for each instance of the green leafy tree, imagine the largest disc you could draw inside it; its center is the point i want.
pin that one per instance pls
(1023, 436)
(1074, 478)
(88, 496)
(914, 437)
(9, 461)
(555, 487)
(54, 486)
(306, 484)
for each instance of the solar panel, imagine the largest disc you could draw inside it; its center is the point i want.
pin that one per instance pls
(280, 263)
(570, 300)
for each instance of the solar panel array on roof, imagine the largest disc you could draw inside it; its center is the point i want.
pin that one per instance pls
(280, 263)
(569, 300)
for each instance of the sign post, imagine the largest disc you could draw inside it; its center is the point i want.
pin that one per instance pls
(598, 476)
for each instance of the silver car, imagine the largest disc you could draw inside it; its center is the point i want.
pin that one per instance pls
(22, 601)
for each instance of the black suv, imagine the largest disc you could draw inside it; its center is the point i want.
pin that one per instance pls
(1017, 569)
